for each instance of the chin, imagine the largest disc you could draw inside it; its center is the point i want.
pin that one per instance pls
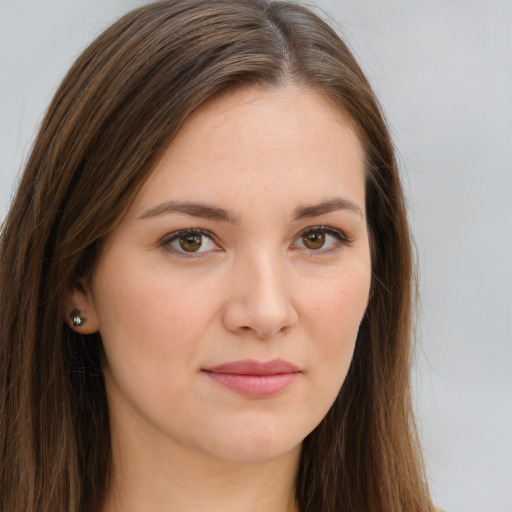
(255, 444)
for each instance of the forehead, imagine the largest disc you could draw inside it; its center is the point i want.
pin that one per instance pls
(252, 142)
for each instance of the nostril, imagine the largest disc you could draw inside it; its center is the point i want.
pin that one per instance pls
(262, 312)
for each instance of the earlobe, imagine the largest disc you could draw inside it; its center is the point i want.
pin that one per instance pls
(77, 318)
(80, 310)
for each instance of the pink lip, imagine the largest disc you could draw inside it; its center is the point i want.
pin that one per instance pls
(254, 378)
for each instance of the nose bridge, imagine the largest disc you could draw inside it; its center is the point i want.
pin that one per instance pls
(268, 278)
(260, 301)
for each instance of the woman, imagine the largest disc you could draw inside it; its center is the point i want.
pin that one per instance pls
(206, 278)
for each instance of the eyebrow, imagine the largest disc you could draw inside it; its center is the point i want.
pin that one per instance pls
(211, 212)
(337, 203)
(203, 211)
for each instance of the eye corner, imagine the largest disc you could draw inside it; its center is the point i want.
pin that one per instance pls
(329, 240)
(205, 243)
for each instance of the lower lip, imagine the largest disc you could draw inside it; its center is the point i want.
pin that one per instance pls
(255, 386)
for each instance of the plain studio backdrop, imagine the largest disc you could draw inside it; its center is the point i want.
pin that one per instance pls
(443, 72)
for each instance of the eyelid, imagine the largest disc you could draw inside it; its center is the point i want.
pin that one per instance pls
(166, 241)
(338, 234)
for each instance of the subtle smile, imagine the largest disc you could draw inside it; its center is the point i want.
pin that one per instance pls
(253, 378)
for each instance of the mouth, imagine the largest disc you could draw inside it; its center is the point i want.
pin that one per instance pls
(255, 379)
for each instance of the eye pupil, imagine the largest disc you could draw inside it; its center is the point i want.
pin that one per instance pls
(314, 240)
(190, 243)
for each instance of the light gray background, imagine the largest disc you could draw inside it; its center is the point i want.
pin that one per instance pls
(443, 71)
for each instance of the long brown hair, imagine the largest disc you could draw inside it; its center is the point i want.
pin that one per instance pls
(120, 105)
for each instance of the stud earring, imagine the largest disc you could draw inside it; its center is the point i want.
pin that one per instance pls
(77, 319)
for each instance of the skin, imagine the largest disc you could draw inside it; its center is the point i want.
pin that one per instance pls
(257, 288)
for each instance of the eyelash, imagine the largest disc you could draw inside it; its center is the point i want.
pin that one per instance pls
(176, 235)
(341, 239)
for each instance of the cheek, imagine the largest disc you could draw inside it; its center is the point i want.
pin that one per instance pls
(333, 316)
(148, 304)
(150, 323)
(338, 306)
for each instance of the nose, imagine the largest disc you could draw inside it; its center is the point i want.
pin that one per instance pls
(259, 301)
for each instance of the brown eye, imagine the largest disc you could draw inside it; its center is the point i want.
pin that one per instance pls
(321, 240)
(315, 240)
(190, 242)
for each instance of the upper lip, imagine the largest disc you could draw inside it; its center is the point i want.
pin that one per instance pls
(252, 367)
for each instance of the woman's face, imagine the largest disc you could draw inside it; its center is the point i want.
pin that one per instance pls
(229, 297)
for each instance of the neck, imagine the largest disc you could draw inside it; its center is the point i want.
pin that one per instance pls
(149, 476)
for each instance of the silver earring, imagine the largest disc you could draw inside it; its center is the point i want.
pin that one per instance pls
(77, 319)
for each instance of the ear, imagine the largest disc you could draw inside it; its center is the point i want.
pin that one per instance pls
(79, 302)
